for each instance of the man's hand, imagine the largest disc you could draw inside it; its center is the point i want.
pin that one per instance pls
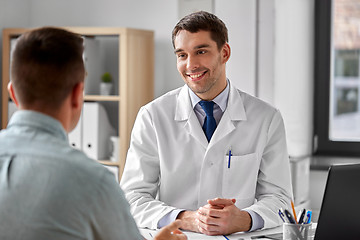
(171, 232)
(221, 217)
(189, 221)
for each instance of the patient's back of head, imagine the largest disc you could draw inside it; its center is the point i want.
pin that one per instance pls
(46, 64)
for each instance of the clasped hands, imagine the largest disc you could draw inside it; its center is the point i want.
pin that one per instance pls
(219, 217)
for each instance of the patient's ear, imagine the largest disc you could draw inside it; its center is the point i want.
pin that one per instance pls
(77, 95)
(12, 93)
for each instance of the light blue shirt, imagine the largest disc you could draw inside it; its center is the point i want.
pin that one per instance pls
(49, 190)
(219, 108)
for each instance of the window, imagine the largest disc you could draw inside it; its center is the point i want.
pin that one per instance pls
(337, 77)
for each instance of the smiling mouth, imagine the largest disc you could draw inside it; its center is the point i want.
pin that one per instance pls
(196, 76)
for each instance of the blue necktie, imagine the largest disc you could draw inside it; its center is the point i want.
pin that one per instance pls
(209, 123)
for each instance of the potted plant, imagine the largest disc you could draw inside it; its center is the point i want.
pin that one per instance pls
(106, 84)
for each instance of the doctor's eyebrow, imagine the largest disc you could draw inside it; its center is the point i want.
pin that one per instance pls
(202, 46)
(196, 47)
(178, 50)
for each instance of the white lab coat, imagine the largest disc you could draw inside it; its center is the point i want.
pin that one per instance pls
(170, 165)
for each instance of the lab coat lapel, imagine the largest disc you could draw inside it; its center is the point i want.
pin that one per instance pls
(185, 113)
(234, 112)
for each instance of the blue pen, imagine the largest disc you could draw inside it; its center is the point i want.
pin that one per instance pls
(226, 237)
(281, 214)
(308, 217)
(229, 158)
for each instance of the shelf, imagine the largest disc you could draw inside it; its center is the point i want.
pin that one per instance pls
(134, 50)
(109, 163)
(101, 98)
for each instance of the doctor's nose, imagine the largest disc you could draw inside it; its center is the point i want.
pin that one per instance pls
(192, 63)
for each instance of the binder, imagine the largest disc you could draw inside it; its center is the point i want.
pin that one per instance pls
(96, 131)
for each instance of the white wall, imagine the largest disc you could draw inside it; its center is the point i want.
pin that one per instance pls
(294, 74)
(266, 50)
(240, 19)
(14, 13)
(285, 63)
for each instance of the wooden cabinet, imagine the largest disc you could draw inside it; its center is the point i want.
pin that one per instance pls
(134, 77)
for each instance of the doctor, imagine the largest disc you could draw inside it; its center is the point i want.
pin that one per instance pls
(207, 152)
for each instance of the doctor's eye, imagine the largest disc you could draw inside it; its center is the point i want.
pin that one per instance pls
(181, 55)
(201, 52)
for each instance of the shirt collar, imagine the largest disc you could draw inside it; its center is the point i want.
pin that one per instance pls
(40, 121)
(221, 99)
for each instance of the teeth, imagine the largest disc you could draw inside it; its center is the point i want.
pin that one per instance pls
(196, 75)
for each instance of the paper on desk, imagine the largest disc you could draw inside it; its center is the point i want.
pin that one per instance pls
(149, 234)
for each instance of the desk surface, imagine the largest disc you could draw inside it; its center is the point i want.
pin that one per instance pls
(149, 234)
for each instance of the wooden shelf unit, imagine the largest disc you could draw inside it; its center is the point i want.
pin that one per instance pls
(135, 71)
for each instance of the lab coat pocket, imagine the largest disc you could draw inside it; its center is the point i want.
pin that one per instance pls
(240, 177)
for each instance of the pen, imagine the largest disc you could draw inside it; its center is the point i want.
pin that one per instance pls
(289, 216)
(226, 237)
(229, 157)
(308, 217)
(302, 215)
(286, 220)
(281, 214)
(293, 209)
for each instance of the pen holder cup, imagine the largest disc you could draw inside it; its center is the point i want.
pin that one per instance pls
(297, 231)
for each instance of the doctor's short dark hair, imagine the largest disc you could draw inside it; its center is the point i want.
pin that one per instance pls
(203, 21)
(47, 63)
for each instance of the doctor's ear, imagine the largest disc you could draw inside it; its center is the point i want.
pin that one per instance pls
(226, 51)
(12, 93)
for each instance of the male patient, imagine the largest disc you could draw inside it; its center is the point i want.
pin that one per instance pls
(207, 152)
(49, 190)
